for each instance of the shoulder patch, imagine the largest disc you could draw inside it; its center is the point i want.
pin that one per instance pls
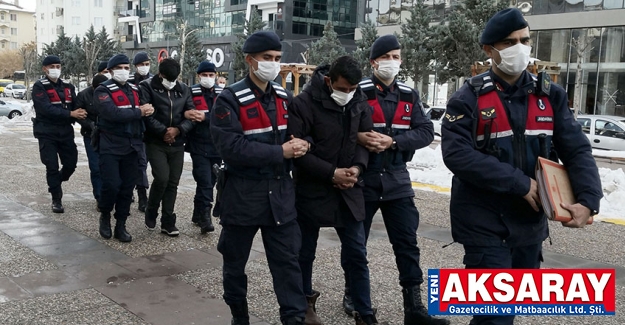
(222, 115)
(403, 87)
(453, 118)
(279, 90)
(366, 84)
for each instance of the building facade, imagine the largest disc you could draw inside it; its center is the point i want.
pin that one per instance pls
(559, 30)
(74, 17)
(17, 26)
(154, 24)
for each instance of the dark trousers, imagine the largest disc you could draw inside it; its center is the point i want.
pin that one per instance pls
(50, 152)
(353, 251)
(119, 175)
(401, 219)
(167, 163)
(205, 179)
(501, 257)
(282, 244)
(142, 180)
(94, 168)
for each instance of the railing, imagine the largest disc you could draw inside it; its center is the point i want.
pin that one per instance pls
(128, 13)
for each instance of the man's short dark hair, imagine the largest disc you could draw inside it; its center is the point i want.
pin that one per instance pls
(98, 79)
(346, 67)
(169, 68)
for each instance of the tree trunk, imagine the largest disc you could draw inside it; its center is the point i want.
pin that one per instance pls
(577, 95)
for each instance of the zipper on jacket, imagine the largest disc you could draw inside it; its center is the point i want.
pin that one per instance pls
(171, 109)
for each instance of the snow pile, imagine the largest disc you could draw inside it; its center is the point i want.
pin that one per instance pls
(613, 184)
(608, 153)
(427, 167)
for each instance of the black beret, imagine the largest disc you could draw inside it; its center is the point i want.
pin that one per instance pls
(206, 66)
(51, 59)
(501, 25)
(261, 42)
(102, 66)
(383, 45)
(117, 59)
(140, 57)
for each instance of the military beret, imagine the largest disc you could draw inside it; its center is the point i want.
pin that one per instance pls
(206, 66)
(501, 25)
(140, 57)
(383, 45)
(51, 59)
(262, 41)
(117, 59)
(102, 66)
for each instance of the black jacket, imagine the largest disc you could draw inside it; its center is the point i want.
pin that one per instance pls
(169, 107)
(53, 120)
(84, 99)
(333, 131)
(199, 140)
(487, 206)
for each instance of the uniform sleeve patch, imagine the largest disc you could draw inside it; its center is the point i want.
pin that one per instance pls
(453, 118)
(103, 97)
(222, 115)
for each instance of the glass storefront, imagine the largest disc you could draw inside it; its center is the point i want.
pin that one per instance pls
(600, 69)
(540, 7)
(310, 17)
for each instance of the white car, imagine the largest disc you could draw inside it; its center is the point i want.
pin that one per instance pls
(436, 114)
(11, 109)
(15, 90)
(604, 131)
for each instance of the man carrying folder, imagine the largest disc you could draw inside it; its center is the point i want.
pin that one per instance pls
(490, 141)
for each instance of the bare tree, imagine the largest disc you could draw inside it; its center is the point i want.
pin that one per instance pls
(92, 49)
(28, 52)
(10, 61)
(581, 45)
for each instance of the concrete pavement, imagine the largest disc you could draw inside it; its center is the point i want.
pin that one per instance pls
(54, 268)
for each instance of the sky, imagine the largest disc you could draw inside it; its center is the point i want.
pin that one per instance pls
(26, 4)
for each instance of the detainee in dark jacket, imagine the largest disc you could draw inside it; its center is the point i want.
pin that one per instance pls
(84, 99)
(201, 147)
(53, 101)
(248, 124)
(166, 131)
(491, 139)
(331, 111)
(121, 130)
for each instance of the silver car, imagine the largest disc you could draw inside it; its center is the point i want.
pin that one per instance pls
(604, 131)
(11, 109)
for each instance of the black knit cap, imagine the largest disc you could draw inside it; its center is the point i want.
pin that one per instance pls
(206, 66)
(51, 59)
(501, 25)
(116, 60)
(383, 45)
(262, 41)
(140, 57)
(102, 66)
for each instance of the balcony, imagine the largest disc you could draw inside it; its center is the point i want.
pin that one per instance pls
(129, 41)
(128, 13)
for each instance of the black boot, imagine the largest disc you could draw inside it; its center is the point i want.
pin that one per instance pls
(367, 319)
(205, 221)
(293, 321)
(196, 216)
(120, 231)
(311, 311)
(348, 304)
(143, 198)
(240, 315)
(57, 206)
(415, 312)
(105, 225)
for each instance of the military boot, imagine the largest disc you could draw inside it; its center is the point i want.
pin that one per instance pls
(105, 225)
(240, 315)
(120, 231)
(205, 221)
(293, 321)
(143, 198)
(415, 312)
(196, 216)
(311, 310)
(57, 205)
(367, 319)
(348, 304)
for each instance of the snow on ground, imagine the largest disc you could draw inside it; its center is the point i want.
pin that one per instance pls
(427, 167)
(608, 153)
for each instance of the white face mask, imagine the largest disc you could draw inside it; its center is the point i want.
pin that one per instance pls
(267, 70)
(107, 75)
(514, 59)
(222, 85)
(207, 82)
(342, 98)
(143, 70)
(121, 75)
(388, 69)
(169, 84)
(54, 73)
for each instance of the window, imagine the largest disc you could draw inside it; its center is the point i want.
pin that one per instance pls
(75, 20)
(3, 31)
(585, 123)
(98, 22)
(13, 17)
(97, 3)
(13, 31)
(3, 46)
(2, 16)
(75, 3)
(43, 16)
(14, 45)
(608, 129)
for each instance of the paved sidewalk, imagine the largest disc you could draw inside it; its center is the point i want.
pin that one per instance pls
(54, 268)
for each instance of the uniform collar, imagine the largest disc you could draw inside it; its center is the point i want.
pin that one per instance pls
(255, 88)
(381, 87)
(523, 83)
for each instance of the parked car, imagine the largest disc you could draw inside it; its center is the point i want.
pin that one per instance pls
(15, 91)
(4, 83)
(436, 114)
(10, 110)
(604, 131)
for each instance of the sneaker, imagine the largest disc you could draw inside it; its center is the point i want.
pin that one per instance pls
(150, 224)
(170, 231)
